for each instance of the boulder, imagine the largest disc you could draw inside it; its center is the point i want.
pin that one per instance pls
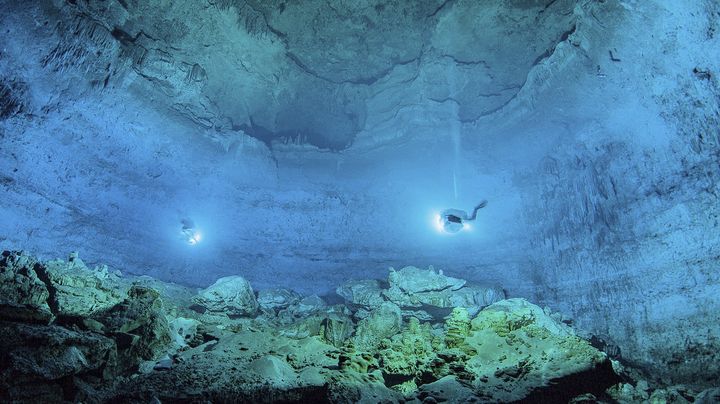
(415, 280)
(273, 370)
(231, 295)
(184, 331)
(408, 355)
(78, 291)
(43, 363)
(366, 293)
(23, 295)
(304, 327)
(515, 351)
(424, 305)
(305, 307)
(474, 297)
(709, 396)
(277, 299)
(138, 325)
(337, 329)
(383, 322)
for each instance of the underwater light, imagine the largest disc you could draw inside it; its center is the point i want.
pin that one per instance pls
(438, 222)
(189, 233)
(194, 239)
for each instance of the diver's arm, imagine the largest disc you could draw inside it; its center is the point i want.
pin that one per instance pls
(478, 207)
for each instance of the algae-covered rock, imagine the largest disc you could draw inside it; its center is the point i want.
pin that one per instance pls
(457, 328)
(513, 314)
(383, 322)
(366, 293)
(78, 291)
(407, 359)
(23, 296)
(708, 396)
(519, 350)
(231, 295)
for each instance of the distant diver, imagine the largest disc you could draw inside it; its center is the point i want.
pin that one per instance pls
(189, 232)
(453, 220)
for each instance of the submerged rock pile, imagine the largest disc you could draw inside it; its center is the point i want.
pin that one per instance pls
(70, 333)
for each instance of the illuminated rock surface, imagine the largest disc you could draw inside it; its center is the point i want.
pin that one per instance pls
(137, 351)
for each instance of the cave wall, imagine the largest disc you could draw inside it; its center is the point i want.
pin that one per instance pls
(623, 214)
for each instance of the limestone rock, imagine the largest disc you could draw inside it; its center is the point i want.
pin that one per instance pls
(415, 289)
(446, 389)
(303, 328)
(517, 349)
(383, 322)
(23, 296)
(415, 280)
(421, 315)
(183, 331)
(276, 299)
(338, 328)
(38, 360)
(457, 328)
(366, 293)
(708, 396)
(511, 351)
(309, 305)
(138, 324)
(305, 307)
(408, 355)
(273, 370)
(79, 291)
(513, 314)
(231, 295)
(475, 297)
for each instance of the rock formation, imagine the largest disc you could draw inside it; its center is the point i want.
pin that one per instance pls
(137, 351)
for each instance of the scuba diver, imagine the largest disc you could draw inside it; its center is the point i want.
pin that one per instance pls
(452, 220)
(190, 234)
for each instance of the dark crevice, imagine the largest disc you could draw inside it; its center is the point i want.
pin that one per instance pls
(10, 100)
(565, 35)
(460, 62)
(370, 80)
(440, 8)
(125, 38)
(548, 6)
(44, 276)
(269, 137)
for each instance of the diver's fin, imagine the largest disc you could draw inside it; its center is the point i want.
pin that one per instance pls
(478, 207)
